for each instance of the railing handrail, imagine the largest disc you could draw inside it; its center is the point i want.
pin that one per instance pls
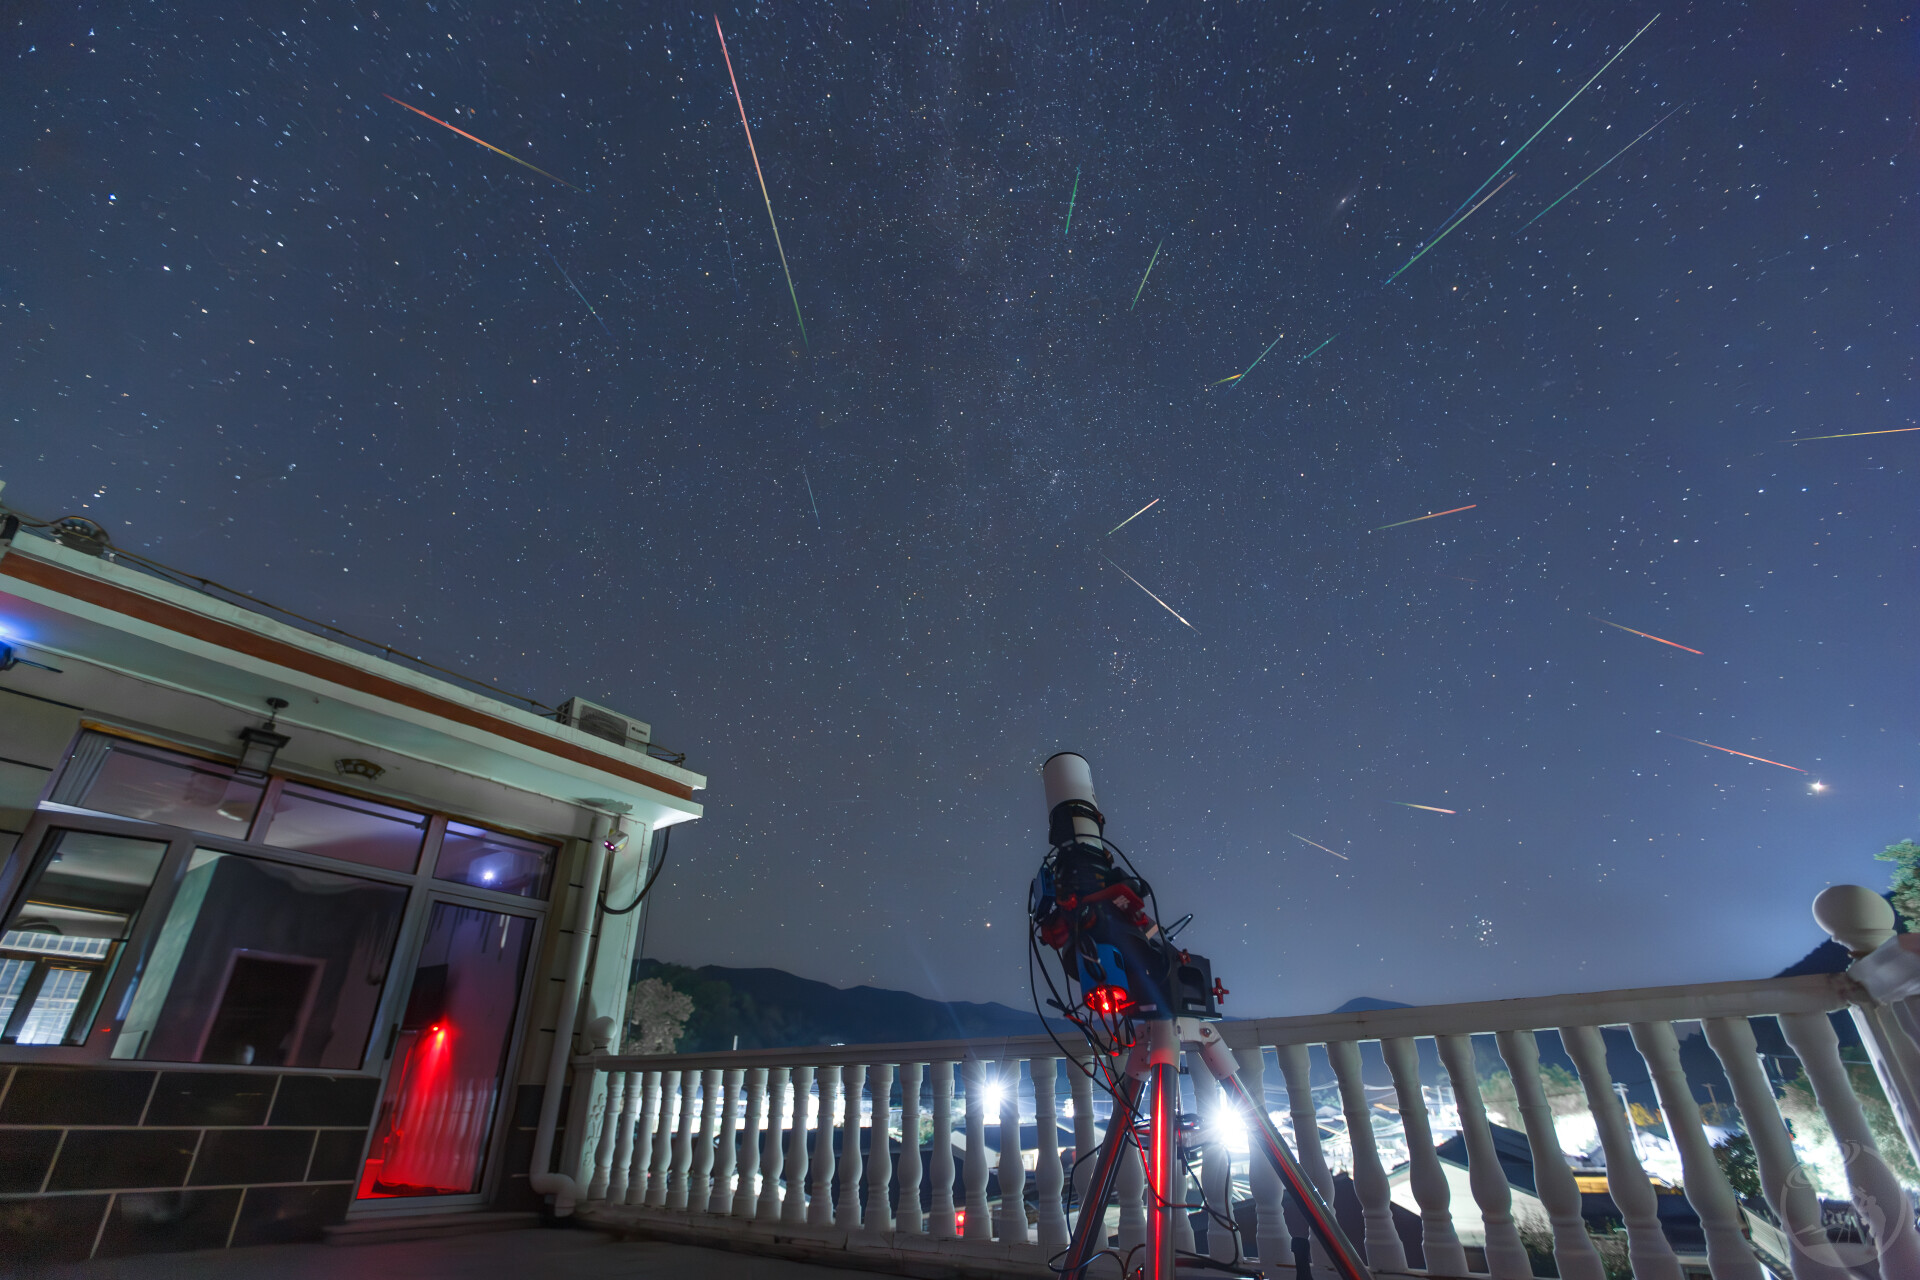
(1809, 993)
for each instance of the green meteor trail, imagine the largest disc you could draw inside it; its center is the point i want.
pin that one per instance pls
(1149, 271)
(1529, 142)
(1583, 182)
(1316, 351)
(1449, 231)
(1256, 360)
(1074, 195)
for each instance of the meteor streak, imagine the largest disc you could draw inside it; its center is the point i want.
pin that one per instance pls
(1449, 231)
(1645, 636)
(1074, 195)
(1417, 519)
(1257, 359)
(470, 138)
(1730, 751)
(576, 290)
(1316, 844)
(1317, 350)
(1848, 435)
(1583, 182)
(1156, 599)
(1149, 271)
(1429, 808)
(1537, 132)
(754, 152)
(1129, 520)
(810, 498)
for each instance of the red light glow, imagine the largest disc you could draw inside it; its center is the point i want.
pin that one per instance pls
(1108, 1000)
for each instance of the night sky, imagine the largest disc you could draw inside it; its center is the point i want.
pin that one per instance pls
(270, 327)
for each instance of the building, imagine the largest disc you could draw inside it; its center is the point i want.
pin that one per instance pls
(286, 928)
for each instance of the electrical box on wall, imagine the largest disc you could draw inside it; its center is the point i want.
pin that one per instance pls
(602, 723)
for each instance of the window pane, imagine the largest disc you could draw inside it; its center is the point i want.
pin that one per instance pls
(363, 831)
(488, 860)
(264, 964)
(59, 947)
(444, 1086)
(137, 781)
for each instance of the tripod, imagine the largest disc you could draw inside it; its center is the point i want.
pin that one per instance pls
(1126, 965)
(1153, 1070)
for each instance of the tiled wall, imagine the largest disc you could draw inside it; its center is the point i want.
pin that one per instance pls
(100, 1162)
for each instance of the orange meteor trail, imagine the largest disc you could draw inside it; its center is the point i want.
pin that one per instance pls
(1156, 599)
(1730, 751)
(1643, 635)
(470, 138)
(1417, 519)
(1848, 435)
(754, 152)
(1429, 808)
(1335, 852)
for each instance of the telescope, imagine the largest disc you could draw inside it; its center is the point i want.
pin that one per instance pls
(1136, 992)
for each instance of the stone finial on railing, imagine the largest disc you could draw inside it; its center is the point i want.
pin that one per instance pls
(1855, 917)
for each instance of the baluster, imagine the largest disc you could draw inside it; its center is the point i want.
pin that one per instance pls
(1728, 1254)
(609, 1123)
(682, 1142)
(660, 1175)
(1786, 1185)
(1384, 1252)
(1048, 1175)
(643, 1138)
(747, 1194)
(1879, 1201)
(1086, 1128)
(908, 1221)
(700, 1175)
(1573, 1251)
(1216, 1161)
(1506, 1255)
(880, 1148)
(1012, 1224)
(979, 1224)
(940, 1152)
(1296, 1065)
(1130, 1188)
(1272, 1241)
(726, 1154)
(794, 1208)
(617, 1181)
(1428, 1180)
(1647, 1248)
(846, 1214)
(778, 1094)
(1183, 1191)
(820, 1208)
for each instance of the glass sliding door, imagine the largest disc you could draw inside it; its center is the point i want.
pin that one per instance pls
(444, 1079)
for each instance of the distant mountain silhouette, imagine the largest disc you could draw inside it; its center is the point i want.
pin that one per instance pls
(774, 1009)
(1360, 1004)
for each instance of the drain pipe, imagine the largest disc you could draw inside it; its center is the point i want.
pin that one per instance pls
(561, 1186)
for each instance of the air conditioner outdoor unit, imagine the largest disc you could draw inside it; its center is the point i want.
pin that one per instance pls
(602, 723)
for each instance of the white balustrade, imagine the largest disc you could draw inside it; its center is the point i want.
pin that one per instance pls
(795, 1208)
(940, 1153)
(908, 1219)
(973, 1174)
(1647, 1248)
(704, 1137)
(1506, 1255)
(747, 1194)
(726, 1152)
(1185, 1195)
(820, 1207)
(1428, 1180)
(846, 1213)
(1384, 1251)
(1049, 1176)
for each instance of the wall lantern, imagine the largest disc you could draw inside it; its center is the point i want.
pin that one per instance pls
(262, 743)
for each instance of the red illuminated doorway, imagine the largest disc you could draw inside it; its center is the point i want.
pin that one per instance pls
(444, 1077)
